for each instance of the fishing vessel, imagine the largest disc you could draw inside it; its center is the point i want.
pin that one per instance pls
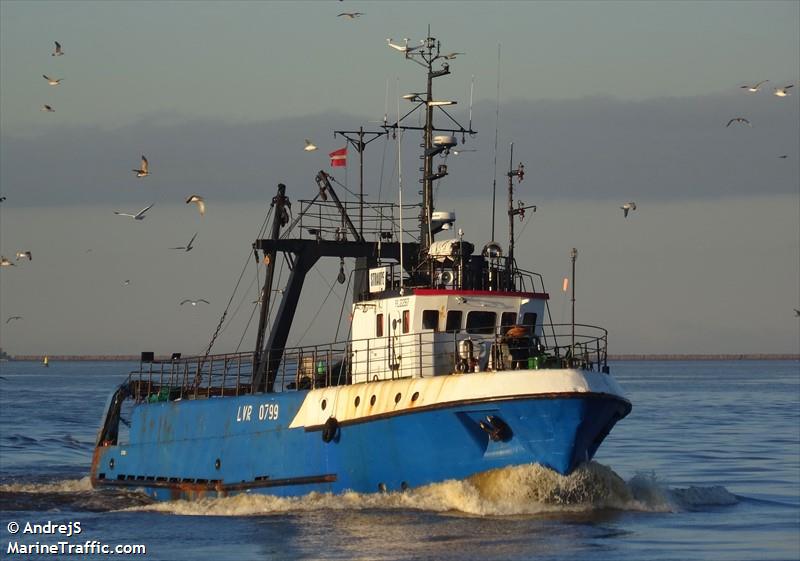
(452, 365)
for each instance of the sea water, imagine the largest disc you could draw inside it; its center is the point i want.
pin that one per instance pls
(707, 466)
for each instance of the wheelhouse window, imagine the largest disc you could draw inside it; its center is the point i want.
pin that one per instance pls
(430, 319)
(481, 322)
(506, 321)
(453, 320)
(529, 320)
(406, 321)
(379, 326)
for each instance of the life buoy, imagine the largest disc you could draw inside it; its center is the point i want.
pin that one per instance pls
(329, 430)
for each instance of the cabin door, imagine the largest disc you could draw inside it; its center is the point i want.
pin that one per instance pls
(395, 330)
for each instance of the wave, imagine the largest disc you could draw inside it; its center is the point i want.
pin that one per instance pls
(62, 486)
(66, 494)
(516, 490)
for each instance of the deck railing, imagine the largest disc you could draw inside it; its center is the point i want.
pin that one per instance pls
(427, 353)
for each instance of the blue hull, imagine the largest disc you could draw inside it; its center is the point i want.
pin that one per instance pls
(222, 446)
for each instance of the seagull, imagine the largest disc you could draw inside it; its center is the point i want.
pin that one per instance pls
(781, 92)
(25, 254)
(402, 48)
(13, 317)
(310, 146)
(784, 156)
(138, 216)
(796, 312)
(2, 199)
(351, 15)
(47, 109)
(739, 120)
(52, 81)
(188, 246)
(627, 207)
(143, 171)
(4, 262)
(194, 302)
(754, 88)
(57, 51)
(127, 282)
(201, 203)
(451, 56)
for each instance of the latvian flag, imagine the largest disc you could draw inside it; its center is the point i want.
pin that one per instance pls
(339, 157)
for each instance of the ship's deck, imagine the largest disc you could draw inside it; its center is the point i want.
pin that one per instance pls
(434, 354)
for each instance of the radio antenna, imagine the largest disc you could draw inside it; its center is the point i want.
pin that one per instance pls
(496, 127)
(471, 90)
(400, 184)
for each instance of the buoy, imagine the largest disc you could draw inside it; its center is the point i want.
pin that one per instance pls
(329, 430)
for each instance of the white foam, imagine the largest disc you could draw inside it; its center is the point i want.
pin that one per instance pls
(528, 489)
(63, 486)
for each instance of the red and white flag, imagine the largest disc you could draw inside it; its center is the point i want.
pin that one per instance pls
(339, 157)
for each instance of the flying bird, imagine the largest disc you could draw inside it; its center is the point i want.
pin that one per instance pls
(796, 312)
(754, 87)
(138, 216)
(24, 254)
(12, 318)
(143, 170)
(52, 81)
(57, 51)
(201, 203)
(451, 56)
(781, 92)
(627, 207)
(194, 302)
(739, 120)
(310, 146)
(404, 48)
(784, 156)
(47, 109)
(188, 246)
(351, 15)
(126, 282)
(4, 262)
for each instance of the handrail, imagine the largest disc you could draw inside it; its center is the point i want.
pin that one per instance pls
(422, 354)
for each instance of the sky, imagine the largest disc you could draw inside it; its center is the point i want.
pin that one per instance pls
(605, 102)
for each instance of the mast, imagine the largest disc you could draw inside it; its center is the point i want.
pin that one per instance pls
(356, 139)
(279, 203)
(426, 54)
(519, 173)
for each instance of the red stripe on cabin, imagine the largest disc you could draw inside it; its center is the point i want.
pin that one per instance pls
(446, 292)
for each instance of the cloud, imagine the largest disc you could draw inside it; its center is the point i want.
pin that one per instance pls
(603, 148)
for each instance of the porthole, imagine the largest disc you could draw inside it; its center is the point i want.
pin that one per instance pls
(372, 400)
(415, 397)
(217, 463)
(324, 404)
(398, 397)
(111, 463)
(357, 401)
